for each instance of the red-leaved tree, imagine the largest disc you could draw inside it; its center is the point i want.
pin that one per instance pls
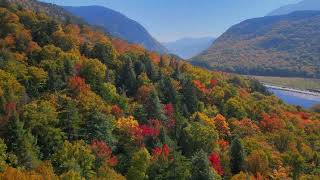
(213, 82)
(271, 123)
(215, 162)
(169, 110)
(78, 84)
(161, 152)
(116, 111)
(103, 153)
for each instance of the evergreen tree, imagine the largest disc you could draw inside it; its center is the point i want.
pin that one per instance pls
(98, 127)
(151, 70)
(165, 138)
(22, 143)
(129, 78)
(168, 92)
(139, 67)
(201, 169)
(177, 74)
(154, 107)
(85, 50)
(237, 156)
(179, 168)
(141, 114)
(190, 97)
(70, 120)
(41, 118)
(55, 81)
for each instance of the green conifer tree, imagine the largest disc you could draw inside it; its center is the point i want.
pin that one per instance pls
(190, 97)
(154, 107)
(201, 169)
(98, 127)
(22, 143)
(237, 156)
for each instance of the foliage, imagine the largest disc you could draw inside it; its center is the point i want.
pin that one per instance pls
(234, 107)
(98, 126)
(103, 154)
(268, 46)
(3, 155)
(257, 162)
(75, 157)
(23, 143)
(237, 156)
(245, 127)
(10, 89)
(216, 163)
(154, 107)
(198, 136)
(97, 107)
(200, 167)
(139, 165)
(296, 163)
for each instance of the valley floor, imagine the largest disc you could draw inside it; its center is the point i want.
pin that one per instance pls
(291, 82)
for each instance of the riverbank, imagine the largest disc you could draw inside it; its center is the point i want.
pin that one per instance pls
(306, 92)
(305, 99)
(304, 84)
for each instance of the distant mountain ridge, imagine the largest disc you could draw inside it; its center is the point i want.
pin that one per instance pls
(188, 47)
(117, 25)
(301, 6)
(286, 45)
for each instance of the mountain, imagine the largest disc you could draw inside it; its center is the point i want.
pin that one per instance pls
(117, 25)
(286, 45)
(188, 47)
(301, 6)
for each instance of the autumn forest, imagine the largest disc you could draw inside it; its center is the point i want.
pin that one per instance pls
(78, 104)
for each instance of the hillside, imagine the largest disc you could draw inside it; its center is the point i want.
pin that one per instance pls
(77, 104)
(52, 10)
(118, 25)
(301, 6)
(188, 47)
(286, 45)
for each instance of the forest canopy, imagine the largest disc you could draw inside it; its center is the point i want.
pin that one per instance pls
(77, 104)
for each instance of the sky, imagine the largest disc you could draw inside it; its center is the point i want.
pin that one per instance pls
(169, 20)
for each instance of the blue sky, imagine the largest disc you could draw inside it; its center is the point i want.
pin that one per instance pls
(169, 20)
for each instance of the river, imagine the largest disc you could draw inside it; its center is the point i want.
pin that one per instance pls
(305, 99)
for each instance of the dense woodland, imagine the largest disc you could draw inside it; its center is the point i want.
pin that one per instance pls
(76, 104)
(286, 45)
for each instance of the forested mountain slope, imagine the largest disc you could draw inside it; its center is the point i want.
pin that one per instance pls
(118, 25)
(75, 104)
(52, 10)
(286, 45)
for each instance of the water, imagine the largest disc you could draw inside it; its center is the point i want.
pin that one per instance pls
(296, 98)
